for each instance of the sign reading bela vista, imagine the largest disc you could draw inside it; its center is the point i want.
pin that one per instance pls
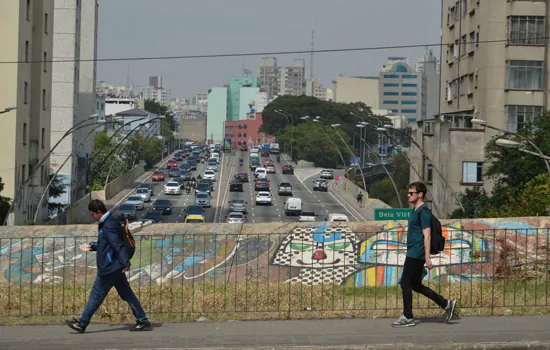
(392, 214)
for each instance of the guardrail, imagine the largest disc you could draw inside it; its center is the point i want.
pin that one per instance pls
(304, 273)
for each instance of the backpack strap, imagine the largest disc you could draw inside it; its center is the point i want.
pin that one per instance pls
(420, 216)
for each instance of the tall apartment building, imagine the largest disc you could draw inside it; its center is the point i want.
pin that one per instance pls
(494, 67)
(277, 80)
(241, 92)
(429, 69)
(27, 28)
(162, 95)
(316, 89)
(399, 88)
(155, 81)
(73, 89)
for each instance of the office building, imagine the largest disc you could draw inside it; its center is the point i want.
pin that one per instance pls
(398, 88)
(428, 69)
(73, 91)
(277, 80)
(356, 89)
(27, 28)
(501, 82)
(155, 81)
(216, 114)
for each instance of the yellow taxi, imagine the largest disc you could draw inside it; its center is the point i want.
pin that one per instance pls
(195, 219)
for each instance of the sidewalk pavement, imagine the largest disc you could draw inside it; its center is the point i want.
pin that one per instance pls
(119, 197)
(490, 332)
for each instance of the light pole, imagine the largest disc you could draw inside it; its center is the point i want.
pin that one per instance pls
(37, 167)
(8, 109)
(413, 141)
(291, 121)
(353, 155)
(516, 145)
(484, 124)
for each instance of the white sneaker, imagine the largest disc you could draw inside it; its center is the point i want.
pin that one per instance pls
(403, 322)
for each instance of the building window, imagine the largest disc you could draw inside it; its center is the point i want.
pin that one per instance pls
(45, 60)
(520, 116)
(408, 102)
(391, 76)
(26, 51)
(464, 45)
(394, 110)
(240, 126)
(391, 93)
(462, 85)
(410, 111)
(451, 52)
(409, 85)
(26, 93)
(42, 175)
(244, 135)
(464, 7)
(472, 172)
(472, 41)
(429, 176)
(42, 135)
(477, 39)
(240, 135)
(23, 168)
(45, 23)
(408, 94)
(525, 75)
(457, 11)
(24, 133)
(391, 102)
(28, 10)
(470, 84)
(391, 85)
(245, 126)
(409, 76)
(44, 104)
(526, 30)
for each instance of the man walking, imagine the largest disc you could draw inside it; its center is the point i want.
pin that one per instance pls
(112, 263)
(418, 255)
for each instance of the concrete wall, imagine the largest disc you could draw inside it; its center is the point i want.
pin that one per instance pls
(77, 213)
(357, 89)
(356, 253)
(123, 181)
(304, 164)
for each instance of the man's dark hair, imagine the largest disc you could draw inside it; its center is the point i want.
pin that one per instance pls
(97, 206)
(419, 187)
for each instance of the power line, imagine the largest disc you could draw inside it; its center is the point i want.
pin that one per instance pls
(249, 54)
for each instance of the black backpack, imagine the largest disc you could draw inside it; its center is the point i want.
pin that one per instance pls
(129, 241)
(437, 241)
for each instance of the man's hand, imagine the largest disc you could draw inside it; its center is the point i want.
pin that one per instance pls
(429, 264)
(85, 247)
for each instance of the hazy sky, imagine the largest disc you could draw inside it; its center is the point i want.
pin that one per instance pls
(130, 28)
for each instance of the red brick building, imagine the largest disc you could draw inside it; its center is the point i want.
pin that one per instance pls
(245, 132)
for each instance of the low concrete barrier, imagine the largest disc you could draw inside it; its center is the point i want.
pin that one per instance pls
(77, 213)
(304, 164)
(123, 181)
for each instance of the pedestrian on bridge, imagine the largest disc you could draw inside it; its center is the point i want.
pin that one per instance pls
(418, 256)
(360, 199)
(112, 263)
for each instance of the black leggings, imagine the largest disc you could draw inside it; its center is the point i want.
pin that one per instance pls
(411, 279)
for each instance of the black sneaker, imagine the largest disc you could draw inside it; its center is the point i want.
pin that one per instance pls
(141, 326)
(450, 310)
(75, 324)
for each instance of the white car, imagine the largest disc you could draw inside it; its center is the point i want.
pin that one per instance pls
(144, 193)
(307, 216)
(172, 187)
(327, 174)
(209, 175)
(260, 173)
(270, 168)
(136, 201)
(236, 218)
(264, 198)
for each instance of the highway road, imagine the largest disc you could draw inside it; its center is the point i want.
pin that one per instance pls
(322, 203)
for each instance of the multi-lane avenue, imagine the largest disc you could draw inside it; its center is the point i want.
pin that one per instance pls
(321, 203)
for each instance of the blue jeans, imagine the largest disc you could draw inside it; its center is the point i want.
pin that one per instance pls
(102, 286)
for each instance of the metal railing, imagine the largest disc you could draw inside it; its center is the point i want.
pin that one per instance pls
(308, 272)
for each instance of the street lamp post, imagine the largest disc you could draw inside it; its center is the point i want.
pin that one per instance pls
(353, 155)
(19, 191)
(516, 145)
(412, 140)
(291, 121)
(484, 124)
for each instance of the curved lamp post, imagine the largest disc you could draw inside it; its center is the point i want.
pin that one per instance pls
(353, 155)
(455, 195)
(8, 109)
(484, 124)
(516, 145)
(291, 121)
(19, 191)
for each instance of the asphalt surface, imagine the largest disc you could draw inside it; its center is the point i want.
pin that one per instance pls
(321, 203)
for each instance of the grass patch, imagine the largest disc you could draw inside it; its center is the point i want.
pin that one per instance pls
(51, 304)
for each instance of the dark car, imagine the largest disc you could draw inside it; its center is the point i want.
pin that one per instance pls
(174, 172)
(147, 186)
(288, 170)
(254, 165)
(154, 216)
(261, 185)
(208, 181)
(236, 186)
(163, 205)
(185, 174)
(194, 210)
(177, 157)
(203, 187)
(192, 163)
(320, 185)
(127, 211)
(243, 177)
(180, 180)
(184, 167)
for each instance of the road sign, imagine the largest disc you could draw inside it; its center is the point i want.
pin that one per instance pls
(392, 214)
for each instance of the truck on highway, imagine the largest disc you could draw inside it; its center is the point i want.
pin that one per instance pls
(293, 206)
(274, 148)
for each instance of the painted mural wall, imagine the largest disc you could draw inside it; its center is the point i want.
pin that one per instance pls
(355, 254)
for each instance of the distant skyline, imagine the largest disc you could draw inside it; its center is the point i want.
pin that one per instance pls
(132, 28)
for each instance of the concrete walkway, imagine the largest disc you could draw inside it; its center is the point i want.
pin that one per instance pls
(497, 332)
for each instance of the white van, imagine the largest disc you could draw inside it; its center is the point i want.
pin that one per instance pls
(337, 217)
(293, 206)
(260, 173)
(215, 156)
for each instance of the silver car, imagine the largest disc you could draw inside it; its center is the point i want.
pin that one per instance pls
(237, 205)
(144, 193)
(202, 199)
(236, 218)
(212, 166)
(136, 201)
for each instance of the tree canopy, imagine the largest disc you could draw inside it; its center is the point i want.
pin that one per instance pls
(167, 125)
